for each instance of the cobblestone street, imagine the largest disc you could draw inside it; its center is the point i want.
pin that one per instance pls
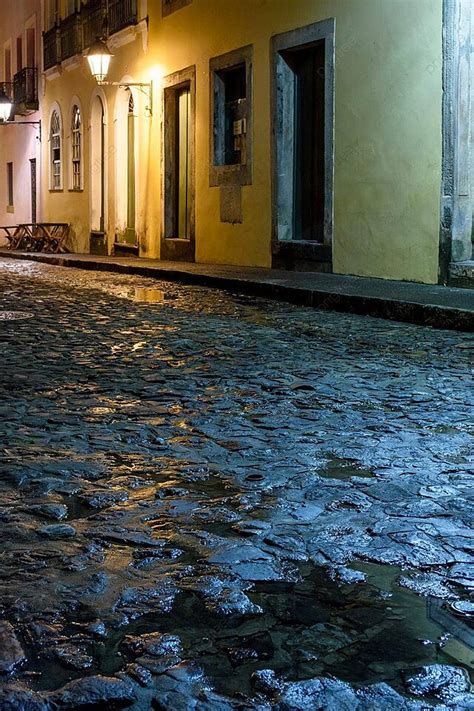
(219, 502)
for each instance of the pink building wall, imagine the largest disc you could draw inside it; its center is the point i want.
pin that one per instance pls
(20, 24)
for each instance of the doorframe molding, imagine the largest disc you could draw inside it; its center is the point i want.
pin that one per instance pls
(99, 94)
(301, 36)
(173, 248)
(455, 241)
(34, 207)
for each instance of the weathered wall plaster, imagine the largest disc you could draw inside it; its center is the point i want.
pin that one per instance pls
(388, 68)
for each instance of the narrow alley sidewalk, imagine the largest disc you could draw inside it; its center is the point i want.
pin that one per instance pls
(430, 305)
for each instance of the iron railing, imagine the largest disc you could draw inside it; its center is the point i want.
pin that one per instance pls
(51, 47)
(93, 20)
(71, 36)
(6, 87)
(121, 14)
(97, 19)
(25, 88)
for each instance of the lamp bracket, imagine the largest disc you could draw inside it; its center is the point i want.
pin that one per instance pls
(145, 88)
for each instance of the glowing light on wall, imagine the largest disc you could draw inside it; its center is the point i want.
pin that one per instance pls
(5, 106)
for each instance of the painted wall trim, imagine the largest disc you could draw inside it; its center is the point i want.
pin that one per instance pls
(455, 243)
(300, 37)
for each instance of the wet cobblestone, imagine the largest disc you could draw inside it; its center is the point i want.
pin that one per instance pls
(214, 502)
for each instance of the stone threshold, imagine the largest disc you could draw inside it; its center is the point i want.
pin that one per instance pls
(461, 274)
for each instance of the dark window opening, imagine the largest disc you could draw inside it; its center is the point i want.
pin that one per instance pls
(8, 65)
(30, 48)
(10, 184)
(19, 53)
(230, 116)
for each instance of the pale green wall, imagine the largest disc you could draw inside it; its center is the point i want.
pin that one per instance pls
(388, 138)
(387, 126)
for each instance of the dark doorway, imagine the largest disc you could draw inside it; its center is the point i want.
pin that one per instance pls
(303, 147)
(130, 234)
(181, 173)
(98, 239)
(178, 237)
(33, 189)
(308, 68)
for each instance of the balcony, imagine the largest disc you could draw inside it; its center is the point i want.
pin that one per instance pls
(94, 19)
(122, 13)
(51, 47)
(97, 19)
(71, 36)
(25, 90)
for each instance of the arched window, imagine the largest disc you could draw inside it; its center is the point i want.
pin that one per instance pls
(55, 141)
(76, 139)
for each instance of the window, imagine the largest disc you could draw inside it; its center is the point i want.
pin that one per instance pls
(169, 6)
(19, 53)
(10, 184)
(231, 115)
(52, 13)
(55, 142)
(30, 47)
(8, 65)
(76, 141)
(71, 7)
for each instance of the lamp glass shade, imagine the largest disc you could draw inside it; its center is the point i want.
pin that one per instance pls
(5, 106)
(99, 57)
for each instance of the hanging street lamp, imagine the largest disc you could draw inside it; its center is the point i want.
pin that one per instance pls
(99, 56)
(6, 106)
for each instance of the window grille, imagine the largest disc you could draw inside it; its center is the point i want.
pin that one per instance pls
(76, 149)
(55, 139)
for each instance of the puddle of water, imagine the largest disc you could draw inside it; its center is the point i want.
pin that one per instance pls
(139, 294)
(362, 634)
(337, 468)
(77, 509)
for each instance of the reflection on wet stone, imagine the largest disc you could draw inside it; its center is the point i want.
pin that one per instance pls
(220, 502)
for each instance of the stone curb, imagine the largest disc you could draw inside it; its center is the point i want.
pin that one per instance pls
(433, 315)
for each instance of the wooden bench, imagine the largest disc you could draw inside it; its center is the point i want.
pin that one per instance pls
(11, 232)
(55, 234)
(42, 236)
(37, 236)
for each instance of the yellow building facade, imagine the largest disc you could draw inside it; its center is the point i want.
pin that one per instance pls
(303, 134)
